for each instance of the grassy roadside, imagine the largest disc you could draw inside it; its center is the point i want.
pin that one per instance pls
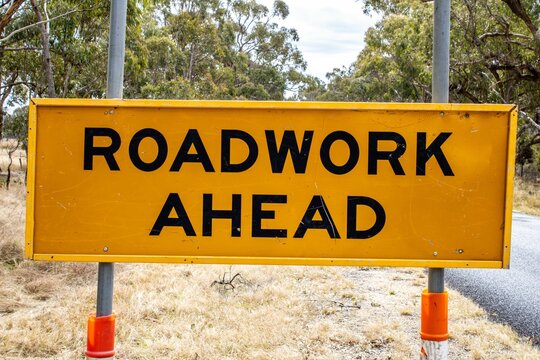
(527, 197)
(173, 312)
(269, 312)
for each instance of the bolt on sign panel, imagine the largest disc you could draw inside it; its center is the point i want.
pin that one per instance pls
(368, 184)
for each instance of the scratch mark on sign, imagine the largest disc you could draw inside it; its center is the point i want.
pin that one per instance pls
(67, 150)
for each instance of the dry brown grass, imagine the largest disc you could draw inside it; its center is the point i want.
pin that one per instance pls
(12, 219)
(183, 312)
(527, 197)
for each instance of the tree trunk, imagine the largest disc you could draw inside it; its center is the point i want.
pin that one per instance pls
(1, 95)
(191, 61)
(1, 120)
(1, 123)
(47, 65)
(8, 178)
(67, 77)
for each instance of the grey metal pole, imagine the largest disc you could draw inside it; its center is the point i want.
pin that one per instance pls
(115, 87)
(100, 342)
(117, 49)
(438, 348)
(436, 280)
(439, 87)
(105, 289)
(441, 51)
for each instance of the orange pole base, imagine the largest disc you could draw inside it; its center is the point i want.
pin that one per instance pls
(434, 319)
(100, 341)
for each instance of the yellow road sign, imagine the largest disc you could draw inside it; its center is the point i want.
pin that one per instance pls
(270, 182)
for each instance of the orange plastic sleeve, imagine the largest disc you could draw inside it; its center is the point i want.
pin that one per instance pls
(434, 318)
(100, 340)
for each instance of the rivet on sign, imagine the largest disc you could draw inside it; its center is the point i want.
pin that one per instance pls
(105, 249)
(435, 253)
(441, 113)
(467, 115)
(460, 251)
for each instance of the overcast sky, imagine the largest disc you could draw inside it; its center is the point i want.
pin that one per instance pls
(331, 31)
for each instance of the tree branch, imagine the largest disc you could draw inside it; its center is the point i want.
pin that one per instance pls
(530, 119)
(9, 14)
(9, 86)
(10, 35)
(523, 45)
(17, 83)
(519, 11)
(520, 70)
(4, 3)
(22, 49)
(47, 64)
(501, 34)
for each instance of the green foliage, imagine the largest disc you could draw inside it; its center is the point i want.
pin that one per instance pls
(205, 49)
(494, 50)
(234, 49)
(394, 65)
(179, 49)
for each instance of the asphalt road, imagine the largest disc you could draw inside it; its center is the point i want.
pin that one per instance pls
(509, 296)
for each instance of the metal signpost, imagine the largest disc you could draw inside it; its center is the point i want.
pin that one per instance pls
(101, 327)
(435, 300)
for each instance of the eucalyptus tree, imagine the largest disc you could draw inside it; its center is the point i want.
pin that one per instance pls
(179, 49)
(48, 47)
(214, 49)
(495, 58)
(9, 11)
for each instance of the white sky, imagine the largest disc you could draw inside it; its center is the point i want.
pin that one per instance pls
(331, 31)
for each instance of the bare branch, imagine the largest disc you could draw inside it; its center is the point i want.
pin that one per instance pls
(501, 34)
(10, 35)
(228, 283)
(17, 83)
(10, 155)
(530, 119)
(47, 24)
(22, 49)
(523, 45)
(9, 13)
(47, 64)
(6, 94)
(519, 11)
